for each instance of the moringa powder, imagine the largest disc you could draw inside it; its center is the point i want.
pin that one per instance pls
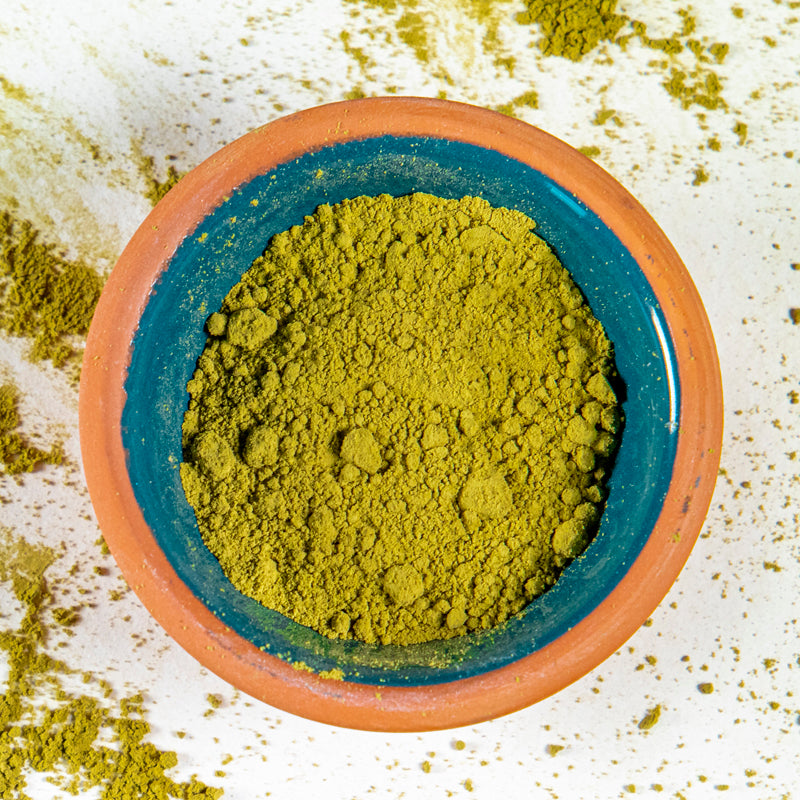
(401, 423)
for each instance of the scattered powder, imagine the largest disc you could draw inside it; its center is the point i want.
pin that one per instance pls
(47, 728)
(412, 29)
(155, 188)
(573, 28)
(13, 91)
(43, 296)
(700, 176)
(686, 62)
(529, 99)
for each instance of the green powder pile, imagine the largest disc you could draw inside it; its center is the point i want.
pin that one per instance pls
(400, 426)
(78, 741)
(43, 296)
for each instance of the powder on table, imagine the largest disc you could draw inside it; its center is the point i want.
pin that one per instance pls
(573, 28)
(418, 444)
(42, 295)
(650, 719)
(17, 454)
(75, 740)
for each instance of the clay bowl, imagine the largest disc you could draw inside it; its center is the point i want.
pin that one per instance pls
(148, 331)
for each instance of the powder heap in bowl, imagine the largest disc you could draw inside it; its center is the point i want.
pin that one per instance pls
(401, 424)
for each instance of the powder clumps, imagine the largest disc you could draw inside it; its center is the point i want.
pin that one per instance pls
(420, 443)
(573, 28)
(650, 719)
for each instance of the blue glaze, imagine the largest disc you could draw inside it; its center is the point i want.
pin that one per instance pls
(171, 337)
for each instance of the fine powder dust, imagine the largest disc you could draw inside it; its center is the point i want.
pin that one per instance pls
(401, 424)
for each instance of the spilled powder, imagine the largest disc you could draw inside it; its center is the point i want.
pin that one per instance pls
(650, 719)
(155, 189)
(43, 296)
(573, 28)
(79, 741)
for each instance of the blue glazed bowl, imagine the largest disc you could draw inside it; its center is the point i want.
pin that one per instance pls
(149, 332)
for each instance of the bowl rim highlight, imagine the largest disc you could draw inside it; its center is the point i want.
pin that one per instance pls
(345, 703)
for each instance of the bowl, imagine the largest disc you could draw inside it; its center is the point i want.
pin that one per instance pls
(148, 331)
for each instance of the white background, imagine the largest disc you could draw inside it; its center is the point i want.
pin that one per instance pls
(105, 83)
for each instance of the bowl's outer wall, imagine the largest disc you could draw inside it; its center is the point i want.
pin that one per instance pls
(676, 331)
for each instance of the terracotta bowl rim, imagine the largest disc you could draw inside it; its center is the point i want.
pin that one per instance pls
(346, 703)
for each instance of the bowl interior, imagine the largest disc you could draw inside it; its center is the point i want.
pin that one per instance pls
(171, 336)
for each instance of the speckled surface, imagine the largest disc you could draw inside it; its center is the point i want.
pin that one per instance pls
(89, 93)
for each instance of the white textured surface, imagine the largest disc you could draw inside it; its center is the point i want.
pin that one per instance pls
(107, 81)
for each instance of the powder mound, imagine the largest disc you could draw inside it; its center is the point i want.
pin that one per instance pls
(402, 422)
(213, 455)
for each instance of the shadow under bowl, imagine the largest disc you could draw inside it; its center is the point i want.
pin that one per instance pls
(148, 332)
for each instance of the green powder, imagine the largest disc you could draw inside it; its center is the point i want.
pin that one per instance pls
(650, 719)
(43, 296)
(700, 87)
(17, 454)
(155, 188)
(49, 729)
(529, 99)
(573, 28)
(700, 176)
(400, 426)
(412, 30)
